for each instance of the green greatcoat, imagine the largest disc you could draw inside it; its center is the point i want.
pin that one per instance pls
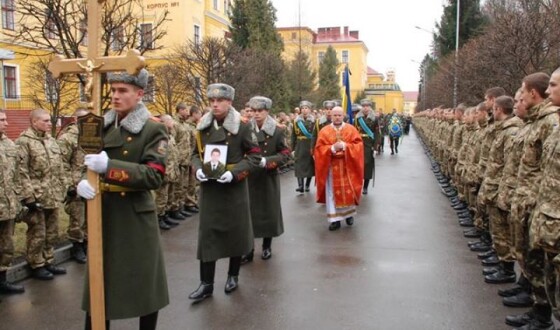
(225, 228)
(133, 265)
(370, 142)
(264, 183)
(303, 148)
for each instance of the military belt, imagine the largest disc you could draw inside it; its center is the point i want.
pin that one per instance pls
(302, 138)
(107, 187)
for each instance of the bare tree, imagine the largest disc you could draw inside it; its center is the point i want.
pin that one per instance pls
(169, 89)
(60, 26)
(196, 65)
(50, 94)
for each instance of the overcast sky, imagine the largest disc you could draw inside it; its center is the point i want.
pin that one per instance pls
(386, 27)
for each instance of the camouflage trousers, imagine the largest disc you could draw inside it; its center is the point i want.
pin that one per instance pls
(6, 244)
(552, 278)
(42, 232)
(502, 233)
(77, 226)
(162, 196)
(192, 186)
(481, 220)
(451, 170)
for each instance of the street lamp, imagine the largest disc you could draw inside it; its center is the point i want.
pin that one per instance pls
(456, 54)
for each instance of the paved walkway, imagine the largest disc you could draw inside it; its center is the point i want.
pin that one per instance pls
(403, 265)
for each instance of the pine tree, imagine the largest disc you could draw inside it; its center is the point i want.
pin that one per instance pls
(471, 23)
(329, 78)
(253, 25)
(301, 78)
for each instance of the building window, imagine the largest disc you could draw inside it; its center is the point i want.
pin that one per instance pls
(146, 36)
(10, 82)
(83, 32)
(226, 6)
(321, 57)
(8, 9)
(345, 54)
(197, 35)
(150, 91)
(215, 4)
(51, 87)
(118, 42)
(294, 36)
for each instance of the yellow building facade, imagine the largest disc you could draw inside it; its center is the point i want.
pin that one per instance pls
(350, 50)
(187, 20)
(384, 91)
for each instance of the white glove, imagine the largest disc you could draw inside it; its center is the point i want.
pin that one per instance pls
(85, 190)
(200, 176)
(97, 162)
(226, 177)
(263, 162)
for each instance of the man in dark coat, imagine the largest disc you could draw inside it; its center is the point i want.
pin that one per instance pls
(225, 229)
(264, 183)
(367, 125)
(302, 142)
(131, 164)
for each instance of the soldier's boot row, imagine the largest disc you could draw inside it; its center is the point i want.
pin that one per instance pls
(522, 284)
(162, 224)
(176, 215)
(78, 253)
(47, 272)
(8, 287)
(300, 185)
(505, 274)
(520, 295)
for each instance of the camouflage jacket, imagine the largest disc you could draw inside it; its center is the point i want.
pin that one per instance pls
(473, 155)
(486, 142)
(508, 182)
(529, 175)
(183, 141)
(545, 223)
(172, 168)
(40, 169)
(458, 134)
(9, 201)
(72, 155)
(463, 160)
(505, 133)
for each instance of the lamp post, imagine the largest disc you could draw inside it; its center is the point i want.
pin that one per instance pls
(424, 92)
(456, 54)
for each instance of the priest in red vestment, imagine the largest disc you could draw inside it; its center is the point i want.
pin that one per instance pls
(339, 169)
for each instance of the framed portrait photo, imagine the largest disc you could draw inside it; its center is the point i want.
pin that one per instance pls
(214, 164)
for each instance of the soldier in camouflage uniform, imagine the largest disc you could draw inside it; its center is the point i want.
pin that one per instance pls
(506, 126)
(40, 172)
(542, 118)
(9, 205)
(74, 206)
(183, 141)
(545, 220)
(191, 203)
(166, 201)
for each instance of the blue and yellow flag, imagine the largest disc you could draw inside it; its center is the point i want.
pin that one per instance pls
(346, 99)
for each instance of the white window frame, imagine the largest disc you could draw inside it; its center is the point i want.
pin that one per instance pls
(195, 35)
(18, 91)
(320, 57)
(141, 39)
(117, 45)
(7, 12)
(347, 56)
(216, 4)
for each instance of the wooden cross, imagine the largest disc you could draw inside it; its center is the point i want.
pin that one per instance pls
(93, 66)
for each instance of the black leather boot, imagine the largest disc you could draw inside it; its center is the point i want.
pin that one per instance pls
(505, 274)
(203, 291)
(231, 284)
(162, 224)
(487, 254)
(7, 287)
(176, 215)
(77, 252)
(520, 320)
(248, 257)
(300, 185)
(522, 299)
(55, 270)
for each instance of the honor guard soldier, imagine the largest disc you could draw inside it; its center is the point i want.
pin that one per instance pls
(264, 183)
(225, 229)
(9, 205)
(302, 142)
(367, 125)
(132, 164)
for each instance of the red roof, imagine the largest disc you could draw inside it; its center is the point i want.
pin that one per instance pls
(411, 96)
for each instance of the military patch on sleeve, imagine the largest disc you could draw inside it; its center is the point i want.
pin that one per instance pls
(162, 147)
(118, 175)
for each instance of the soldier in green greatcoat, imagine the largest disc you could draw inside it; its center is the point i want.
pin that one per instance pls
(264, 183)
(225, 229)
(368, 126)
(302, 142)
(132, 163)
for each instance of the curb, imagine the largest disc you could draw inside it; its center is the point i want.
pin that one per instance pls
(21, 270)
